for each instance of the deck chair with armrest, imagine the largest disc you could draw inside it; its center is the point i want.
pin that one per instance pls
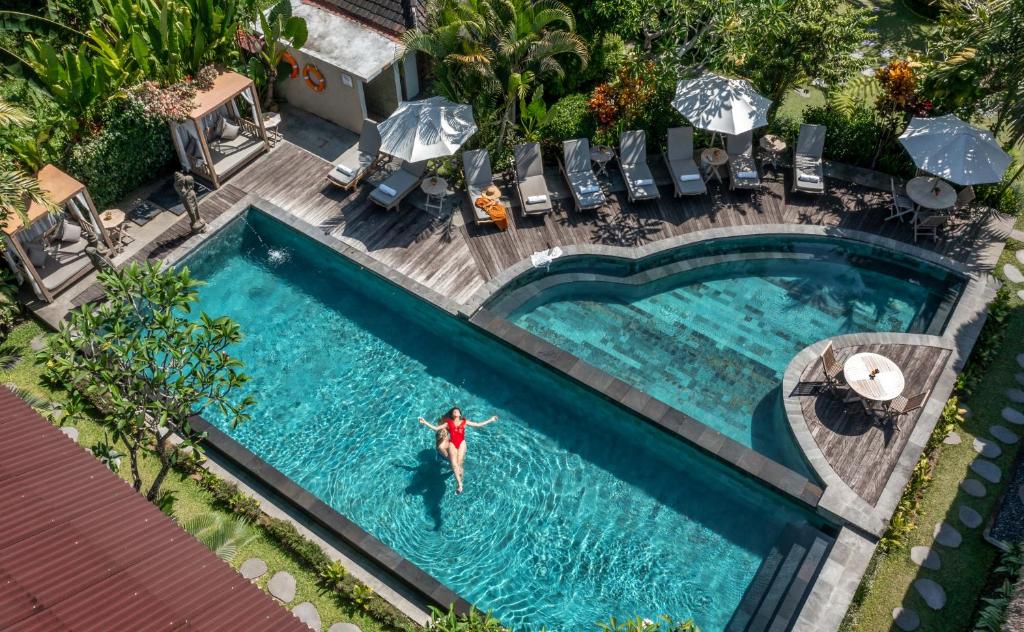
(902, 406)
(579, 175)
(476, 167)
(633, 164)
(902, 205)
(742, 166)
(359, 160)
(928, 224)
(686, 177)
(390, 193)
(531, 187)
(808, 170)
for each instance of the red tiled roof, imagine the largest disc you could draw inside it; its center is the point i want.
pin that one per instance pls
(80, 550)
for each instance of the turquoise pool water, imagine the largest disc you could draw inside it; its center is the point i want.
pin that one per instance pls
(573, 509)
(714, 341)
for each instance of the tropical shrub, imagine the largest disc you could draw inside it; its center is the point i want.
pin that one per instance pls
(639, 97)
(1002, 196)
(475, 621)
(223, 535)
(279, 29)
(9, 306)
(851, 135)
(988, 345)
(664, 623)
(128, 151)
(569, 117)
(992, 616)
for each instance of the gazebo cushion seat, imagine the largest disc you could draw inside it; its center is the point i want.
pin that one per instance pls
(61, 264)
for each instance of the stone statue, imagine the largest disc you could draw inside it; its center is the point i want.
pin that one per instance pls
(184, 185)
(99, 260)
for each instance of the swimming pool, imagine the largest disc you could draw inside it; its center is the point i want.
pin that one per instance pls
(573, 511)
(714, 339)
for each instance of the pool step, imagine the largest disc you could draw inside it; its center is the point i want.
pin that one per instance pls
(781, 585)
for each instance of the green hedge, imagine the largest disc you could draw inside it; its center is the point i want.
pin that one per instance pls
(128, 151)
(569, 118)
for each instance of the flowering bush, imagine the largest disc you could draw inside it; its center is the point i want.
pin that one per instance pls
(900, 90)
(204, 78)
(173, 103)
(638, 97)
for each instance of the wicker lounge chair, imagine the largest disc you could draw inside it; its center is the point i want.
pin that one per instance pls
(686, 176)
(390, 193)
(531, 186)
(476, 166)
(359, 160)
(808, 171)
(583, 183)
(742, 166)
(635, 170)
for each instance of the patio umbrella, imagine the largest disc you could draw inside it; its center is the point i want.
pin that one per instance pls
(718, 104)
(947, 147)
(431, 128)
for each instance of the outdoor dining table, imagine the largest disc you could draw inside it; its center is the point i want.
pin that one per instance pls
(931, 193)
(875, 378)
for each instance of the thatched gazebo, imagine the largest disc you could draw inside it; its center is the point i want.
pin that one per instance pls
(49, 251)
(224, 131)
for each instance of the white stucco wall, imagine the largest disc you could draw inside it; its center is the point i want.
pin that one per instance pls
(338, 103)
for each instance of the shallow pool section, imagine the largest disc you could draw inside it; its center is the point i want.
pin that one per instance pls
(713, 341)
(573, 510)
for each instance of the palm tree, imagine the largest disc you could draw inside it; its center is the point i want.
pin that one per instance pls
(17, 188)
(498, 49)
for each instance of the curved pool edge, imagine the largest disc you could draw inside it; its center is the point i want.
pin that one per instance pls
(633, 253)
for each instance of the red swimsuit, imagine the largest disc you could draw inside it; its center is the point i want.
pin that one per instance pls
(456, 434)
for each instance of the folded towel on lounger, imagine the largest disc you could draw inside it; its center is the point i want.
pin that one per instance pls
(495, 210)
(386, 190)
(750, 175)
(345, 169)
(536, 199)
(642, 182)
(590, 188)
(688, 177)
(809, 177)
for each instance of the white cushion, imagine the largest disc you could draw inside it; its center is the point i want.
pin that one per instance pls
(386, 190)
(536, 199)
(688, 177)
(642, 182)
(228, 131)
(590, 188)
(345, 169)
(70, 233)
(751, 175)
(808, 177)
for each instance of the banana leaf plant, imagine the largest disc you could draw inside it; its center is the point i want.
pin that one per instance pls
(280, 30)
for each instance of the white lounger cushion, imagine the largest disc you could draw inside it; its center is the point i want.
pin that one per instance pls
(536, 199)
(809, 177)
(593, 188)
(644, 182)
(386, 190)
(752, 175)
(345, 169)
(689, 177)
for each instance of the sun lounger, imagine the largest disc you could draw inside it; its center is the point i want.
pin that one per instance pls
(359, 160)
(586, 190)
(635, 170)
(808, 172)
(476, 167)
(534, 197)
(390, 193)
(742, 167)
(686, 176)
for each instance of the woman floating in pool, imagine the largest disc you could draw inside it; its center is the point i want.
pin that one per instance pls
(451, 439)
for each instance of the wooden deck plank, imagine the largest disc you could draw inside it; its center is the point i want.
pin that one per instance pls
(862, 452)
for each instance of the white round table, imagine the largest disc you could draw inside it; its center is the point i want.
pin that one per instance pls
(436, 190)
(885, 385)
(932, 193)
(112, 221)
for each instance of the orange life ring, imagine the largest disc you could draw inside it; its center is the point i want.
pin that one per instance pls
(314, 78)
(291, 62)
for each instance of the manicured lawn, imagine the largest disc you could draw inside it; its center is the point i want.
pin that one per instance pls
(964, 570)
(191, 499)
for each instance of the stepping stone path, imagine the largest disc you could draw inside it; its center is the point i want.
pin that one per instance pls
(1019, 376)
(1004, 434)
(947, 535)
(905, 619)
(973, 487)
(952, 438)
(282, 586)
(987, 449)
(1013, 416)
(1020, 294)
(307, 613)
(1015, 395)
(344, 627)
(1020, 256)
(964, 411)
(252, 568)
(70, 432)
(925, 558)
(37, 343)
(987, 470)
(970, 518)
(931, 592)
(1013, 273)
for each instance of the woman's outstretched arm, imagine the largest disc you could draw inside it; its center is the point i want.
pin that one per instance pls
(481, 424)
(429, 425)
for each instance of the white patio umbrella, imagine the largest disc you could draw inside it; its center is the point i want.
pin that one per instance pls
(431, 128)
(718, 104)
(947, 147)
